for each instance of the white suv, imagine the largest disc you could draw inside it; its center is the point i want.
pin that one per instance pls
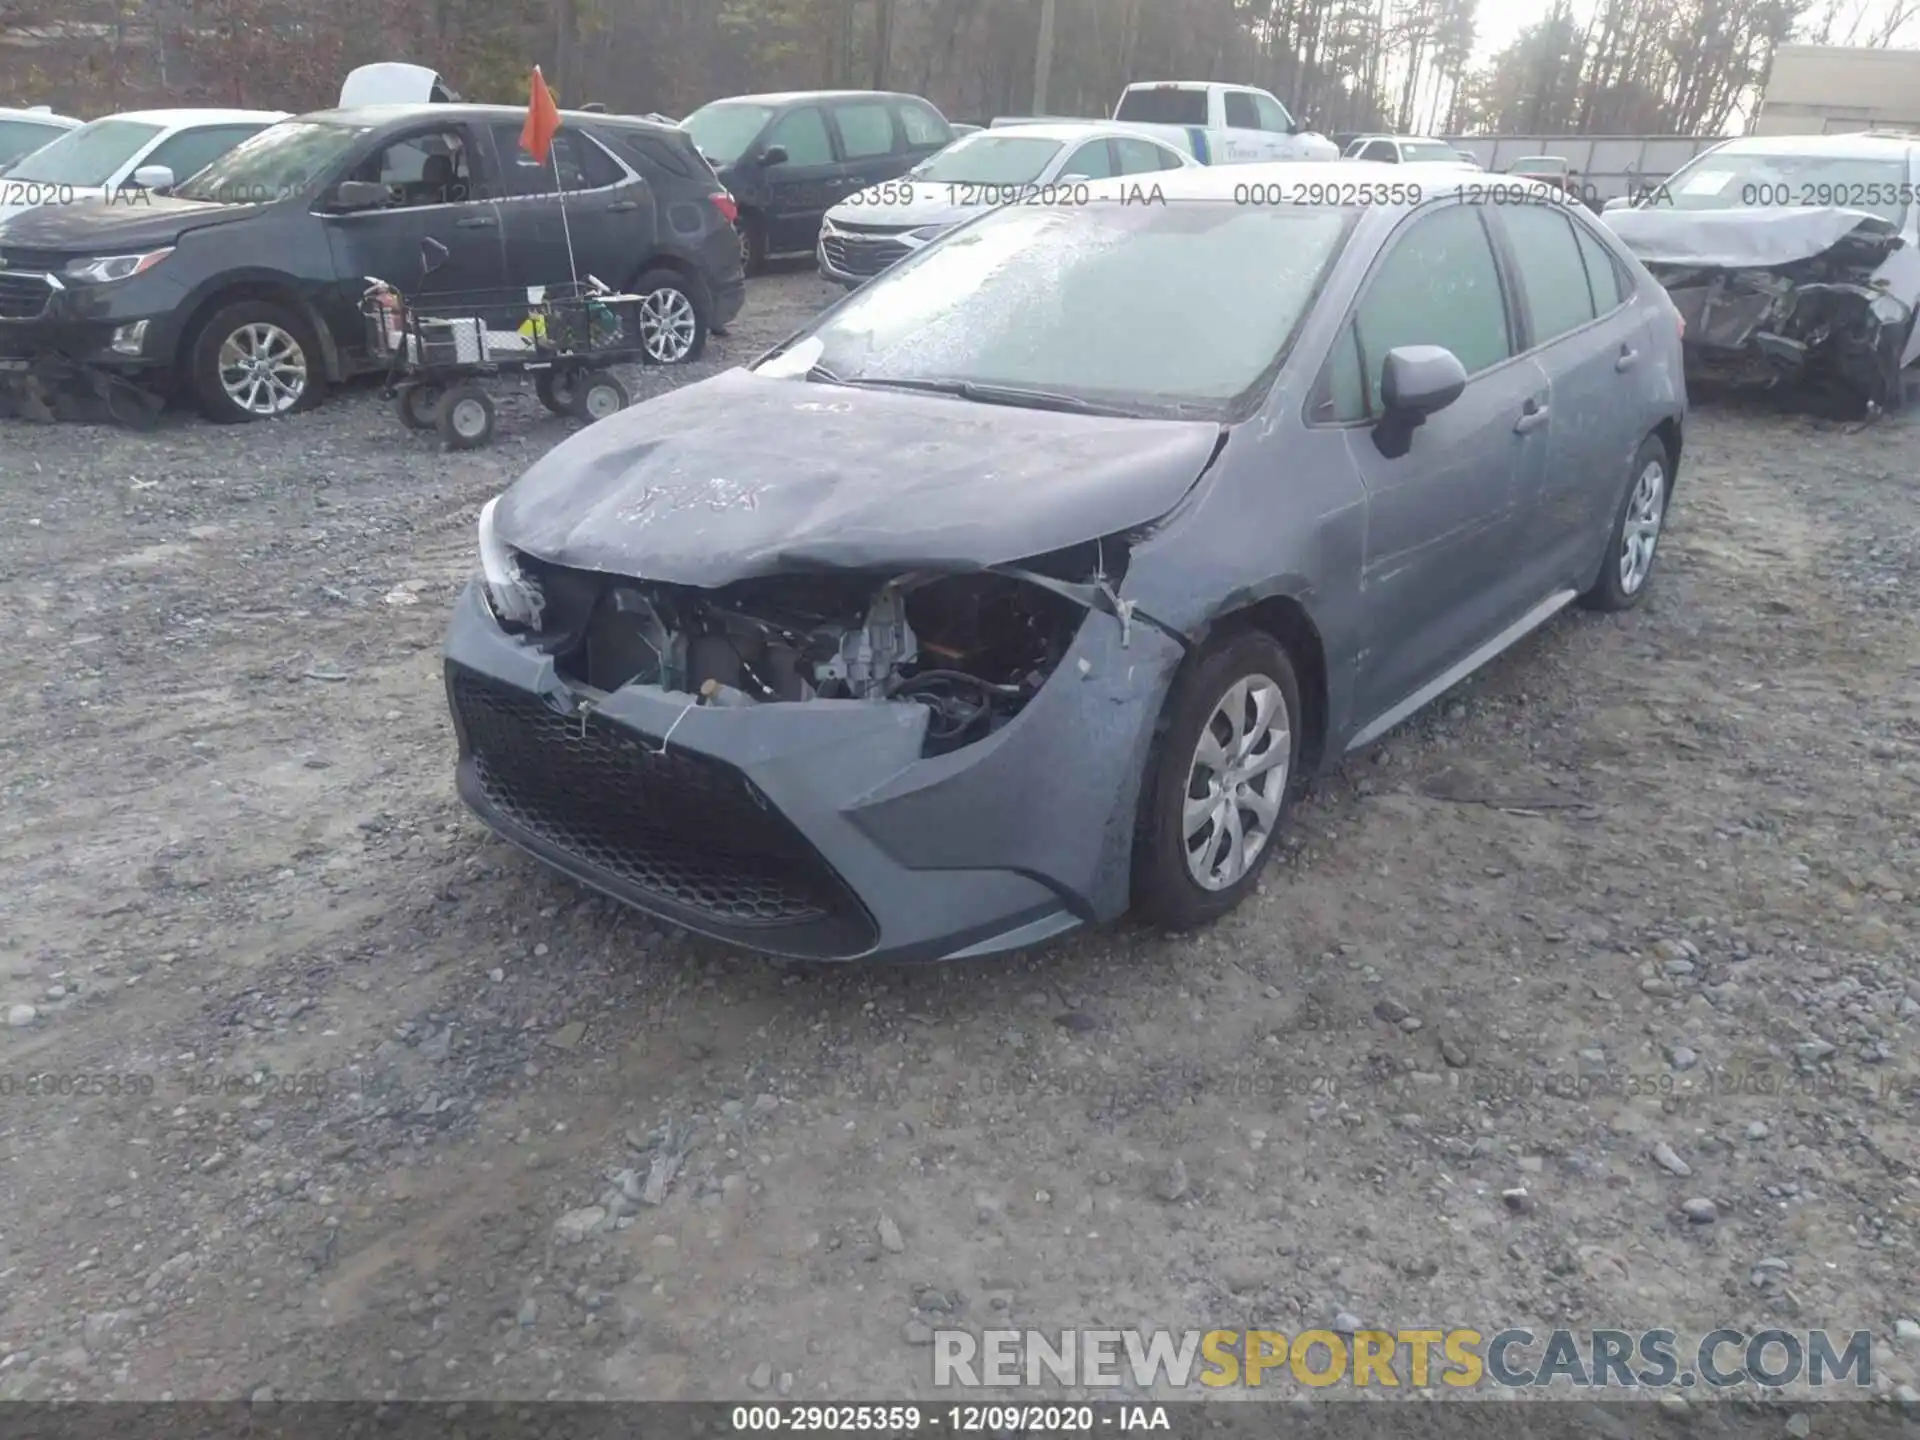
(24, 131)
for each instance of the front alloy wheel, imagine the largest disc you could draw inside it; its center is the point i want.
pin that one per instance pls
(1235, 782)
(263, 370)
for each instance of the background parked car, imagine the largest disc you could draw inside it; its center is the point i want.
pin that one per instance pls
(788, 159)
(113, 157)
(24, 131)
(1017, 496)
(867, 232)
(1222, 124)
(257, 265)
(1403, 150)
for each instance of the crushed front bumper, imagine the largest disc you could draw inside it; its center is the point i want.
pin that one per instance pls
(816, 830)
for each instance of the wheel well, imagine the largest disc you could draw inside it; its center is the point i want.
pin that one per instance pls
(678, 266)
(1668, 434)
(1286, 620)
(257, 290)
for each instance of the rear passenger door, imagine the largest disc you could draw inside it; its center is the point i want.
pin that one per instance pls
(808, 184)
(583, 194)
(1442, 571)
(1591, 344)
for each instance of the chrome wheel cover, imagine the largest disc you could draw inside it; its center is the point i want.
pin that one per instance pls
(1236, 781)
(263, 369)
(1640, 532)
(667, 324)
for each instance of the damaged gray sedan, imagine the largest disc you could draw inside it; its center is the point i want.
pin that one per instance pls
(1027, 585)
(1795, 262)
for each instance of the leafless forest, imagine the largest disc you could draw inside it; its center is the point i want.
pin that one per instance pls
(1604, 67)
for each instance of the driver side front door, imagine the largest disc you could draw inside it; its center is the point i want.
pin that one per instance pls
(439, 184)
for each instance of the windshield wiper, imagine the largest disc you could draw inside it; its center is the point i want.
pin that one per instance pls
(986, 394)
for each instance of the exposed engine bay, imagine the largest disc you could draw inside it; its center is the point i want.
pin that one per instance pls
(1820, 322)
(973, 648)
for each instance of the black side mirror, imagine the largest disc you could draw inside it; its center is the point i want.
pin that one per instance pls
(1415, 381)
(433, 255)
(774, 155)
(352, 195)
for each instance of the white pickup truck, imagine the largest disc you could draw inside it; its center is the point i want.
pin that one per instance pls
(1221, 124)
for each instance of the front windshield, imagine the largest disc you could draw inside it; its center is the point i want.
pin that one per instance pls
(1423, 151)
(1744, 180)
(281, 161)
(1149, 308)
(723, 131)
(989, 160)
(88, 156)
(23, 137)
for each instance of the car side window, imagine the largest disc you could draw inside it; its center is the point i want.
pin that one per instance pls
(434, 168)
(191, 151)
(1139, 157)
(865, 130)
(1553, 274)
(802, 134)
(1343, 385)
(923, 125)
(1091, 161)
(1437, 285)
(1381, 150)
(582, 164)
(1241, 112)
(1603, 272)
(1273, 115)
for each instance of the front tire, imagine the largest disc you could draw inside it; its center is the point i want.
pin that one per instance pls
(1219, 788)
(1633, 543)
(254, 360)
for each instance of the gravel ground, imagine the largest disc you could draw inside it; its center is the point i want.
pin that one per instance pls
(339, 1097)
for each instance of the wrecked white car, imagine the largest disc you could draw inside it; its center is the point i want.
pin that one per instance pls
(1794, 261)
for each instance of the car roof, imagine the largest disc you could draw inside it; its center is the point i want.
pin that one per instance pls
(1856, 146)
(197, 117)
(45, 117)
(1420, 139)
(461, 110)
(778, 98)
(1065, 130)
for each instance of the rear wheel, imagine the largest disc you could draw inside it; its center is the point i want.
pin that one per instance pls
(598, 395)
(465, 417)
(1220, 785)
(418, 406)
(557, 390)
(673, 325)
(753, 245)
(1635, 538)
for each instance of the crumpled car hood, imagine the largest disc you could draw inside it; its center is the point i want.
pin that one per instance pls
(1751, 239)
(743, 475)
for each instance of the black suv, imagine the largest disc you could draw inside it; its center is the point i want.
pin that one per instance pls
(245, 282)
(788, 159)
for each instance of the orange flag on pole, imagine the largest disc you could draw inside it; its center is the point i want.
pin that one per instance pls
(543, 119)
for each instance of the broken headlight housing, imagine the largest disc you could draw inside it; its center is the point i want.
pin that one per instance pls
(515, 598)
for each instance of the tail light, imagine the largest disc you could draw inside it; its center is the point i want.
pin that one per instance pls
(724, 202)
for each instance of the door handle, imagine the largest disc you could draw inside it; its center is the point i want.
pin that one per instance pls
(1628, 359)
(476, 222)
(621, 206)
(1532, 416)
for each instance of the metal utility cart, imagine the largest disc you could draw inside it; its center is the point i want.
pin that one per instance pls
(441, 348)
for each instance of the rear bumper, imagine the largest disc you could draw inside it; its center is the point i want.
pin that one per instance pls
(817, 831)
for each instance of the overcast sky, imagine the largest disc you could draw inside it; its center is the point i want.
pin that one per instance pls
(1501, 21)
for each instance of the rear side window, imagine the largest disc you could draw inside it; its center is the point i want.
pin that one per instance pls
(1553, 274)
(1603, 272)
(1164, 107)
(803, 135)
(582, 164)
(865, 130)
(923, 125)
(191, 151)
(652, 150)
(1438, 285)
(1139, 157)
(1241, 112)
(1091, 162)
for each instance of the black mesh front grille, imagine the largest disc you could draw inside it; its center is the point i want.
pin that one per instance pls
(852, 255)
(675, 832)
(23, 297)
